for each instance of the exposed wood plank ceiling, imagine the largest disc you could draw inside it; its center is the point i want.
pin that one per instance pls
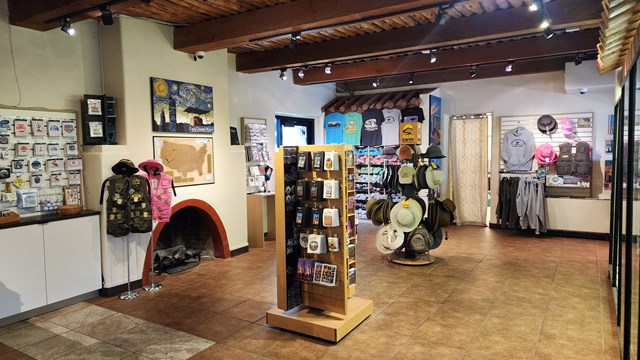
(619, 36)
(367, 39)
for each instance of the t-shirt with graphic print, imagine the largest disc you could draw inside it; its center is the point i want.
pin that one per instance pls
(352, 128)
(391, 126)
(413, 114)
(333, 128)
(372, 120)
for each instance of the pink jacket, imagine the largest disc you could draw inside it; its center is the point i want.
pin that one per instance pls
(160, 196)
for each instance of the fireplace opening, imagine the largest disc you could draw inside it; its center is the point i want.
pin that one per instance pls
(183, 242)
(194, 225)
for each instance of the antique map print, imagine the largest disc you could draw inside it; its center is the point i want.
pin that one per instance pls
(189, 160)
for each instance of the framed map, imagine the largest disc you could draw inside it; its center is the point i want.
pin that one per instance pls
(189, 160)
(181, 107)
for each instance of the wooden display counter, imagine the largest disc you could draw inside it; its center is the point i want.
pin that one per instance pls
(260, 211)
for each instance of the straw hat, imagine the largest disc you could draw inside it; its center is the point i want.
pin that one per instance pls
(406, 215)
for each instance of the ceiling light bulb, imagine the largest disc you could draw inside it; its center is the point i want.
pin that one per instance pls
(301, 73)
(66, 27)
(376, 83)
(534, 6)
(411, 76)
(432, 57)
(546, 21)
(283, 74)
(327, 69)
(509, 67)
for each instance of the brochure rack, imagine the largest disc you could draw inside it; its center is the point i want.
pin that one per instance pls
(327, 312)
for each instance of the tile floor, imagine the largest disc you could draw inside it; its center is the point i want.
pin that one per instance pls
(490, 295)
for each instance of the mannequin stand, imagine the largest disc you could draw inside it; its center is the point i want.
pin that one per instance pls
(152, 287)
(128, 295)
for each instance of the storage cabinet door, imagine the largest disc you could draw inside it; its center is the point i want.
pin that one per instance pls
(72, 253)
(22, 279)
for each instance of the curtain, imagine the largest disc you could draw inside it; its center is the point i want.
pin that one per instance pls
(468, 168)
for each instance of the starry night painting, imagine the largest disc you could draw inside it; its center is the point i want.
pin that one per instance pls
(181, 107)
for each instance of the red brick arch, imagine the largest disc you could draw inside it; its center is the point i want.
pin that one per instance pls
(213, 223)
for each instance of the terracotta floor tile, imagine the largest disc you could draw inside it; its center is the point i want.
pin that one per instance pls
(109, 326)
(249, 310)
(224, 352)
(217, 327)
(98, 351)
(9, 353)
(140, 337)
(52, 348)
(218, 302)
(25, 336)
(180, 346)
(418, 348)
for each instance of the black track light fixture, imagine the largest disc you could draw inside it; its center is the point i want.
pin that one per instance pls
(283, 74)
(411, 78)
(301, 72)
(472, 71)
(295, 36)
(578, 59)
(376, 82)
(548, 32)
(65, 25)
(106, 16)
(327, 69)
(432, 57)
(509, 67)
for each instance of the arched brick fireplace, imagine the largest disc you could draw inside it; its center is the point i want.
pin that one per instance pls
(212, 222)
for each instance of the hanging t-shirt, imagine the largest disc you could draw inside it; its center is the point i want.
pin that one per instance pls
(333, 128)
(413, 114)
(391, 126)
(352, 128)
(372, 120)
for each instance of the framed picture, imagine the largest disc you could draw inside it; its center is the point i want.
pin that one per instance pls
(94, 107)
(180, 107)
(189, 160)
(71, 195)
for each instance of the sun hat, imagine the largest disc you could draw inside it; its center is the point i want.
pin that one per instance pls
(433, 152)
(388, 153)
(124, 167)
(420, 240)
(546, 155)
(405, 152)
(394, 238)
(382, 237)
(405, 174)
(433, 177)
(151, 166)
(567, 126)
(406, 215)
(547, 124)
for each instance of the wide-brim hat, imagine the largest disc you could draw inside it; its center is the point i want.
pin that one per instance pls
(151, 166)
(433, 177)
(546, 155)
(420, 241)
(437, 238)
(567, 126)
(124, 167)
(386, 236)
(421, 176)
(406, 215)
(547, 124)
(433, 152)
(450, 209)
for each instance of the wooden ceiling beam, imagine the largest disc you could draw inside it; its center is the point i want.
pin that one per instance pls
(281, 19)
(538, 47)
(34, 13)
(500, 24)
(459, 74)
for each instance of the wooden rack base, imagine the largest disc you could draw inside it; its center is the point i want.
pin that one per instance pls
(419, 260)
(322, 324)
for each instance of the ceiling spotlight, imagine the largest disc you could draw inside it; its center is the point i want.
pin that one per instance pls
(66, 26)
(106, 16)
(283, 74)
(432, 57)
(578, 60)
(376, 83)
(548, 32)
(327, 69)
(546, 21)
(411, 76)
(301, 73)
(442, 17)
(294, 39)
(472, 71)
(509, 67)
(534, 6)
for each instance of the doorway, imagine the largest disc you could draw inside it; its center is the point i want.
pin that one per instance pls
(294, 131)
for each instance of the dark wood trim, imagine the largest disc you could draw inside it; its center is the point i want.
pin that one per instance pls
(556, 233)
(240, 251)
(515, 50)
(282, 19)
(500, 24)
(46, 218)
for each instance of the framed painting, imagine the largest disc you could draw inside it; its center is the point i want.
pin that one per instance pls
(189, 160)
(180, 107)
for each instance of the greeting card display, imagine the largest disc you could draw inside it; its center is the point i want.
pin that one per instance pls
(71, 149)
(55, 164)
(55, 179)
(38, 127)
(40, 149)
(5, 126)
(74, 164)
(71, 195)
(23, 149)
(36, 165)
(53, 149)
(54, 128)
(18, 165)
(4, 139)
(4, 152)
(5, 172)
(74, 177)
(69, 129)
(37, 180)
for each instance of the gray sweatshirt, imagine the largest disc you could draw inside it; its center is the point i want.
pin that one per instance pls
(518, 148)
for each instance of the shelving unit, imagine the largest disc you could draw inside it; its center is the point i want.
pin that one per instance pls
(368, 169)
(327, 312)
(254, 138)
